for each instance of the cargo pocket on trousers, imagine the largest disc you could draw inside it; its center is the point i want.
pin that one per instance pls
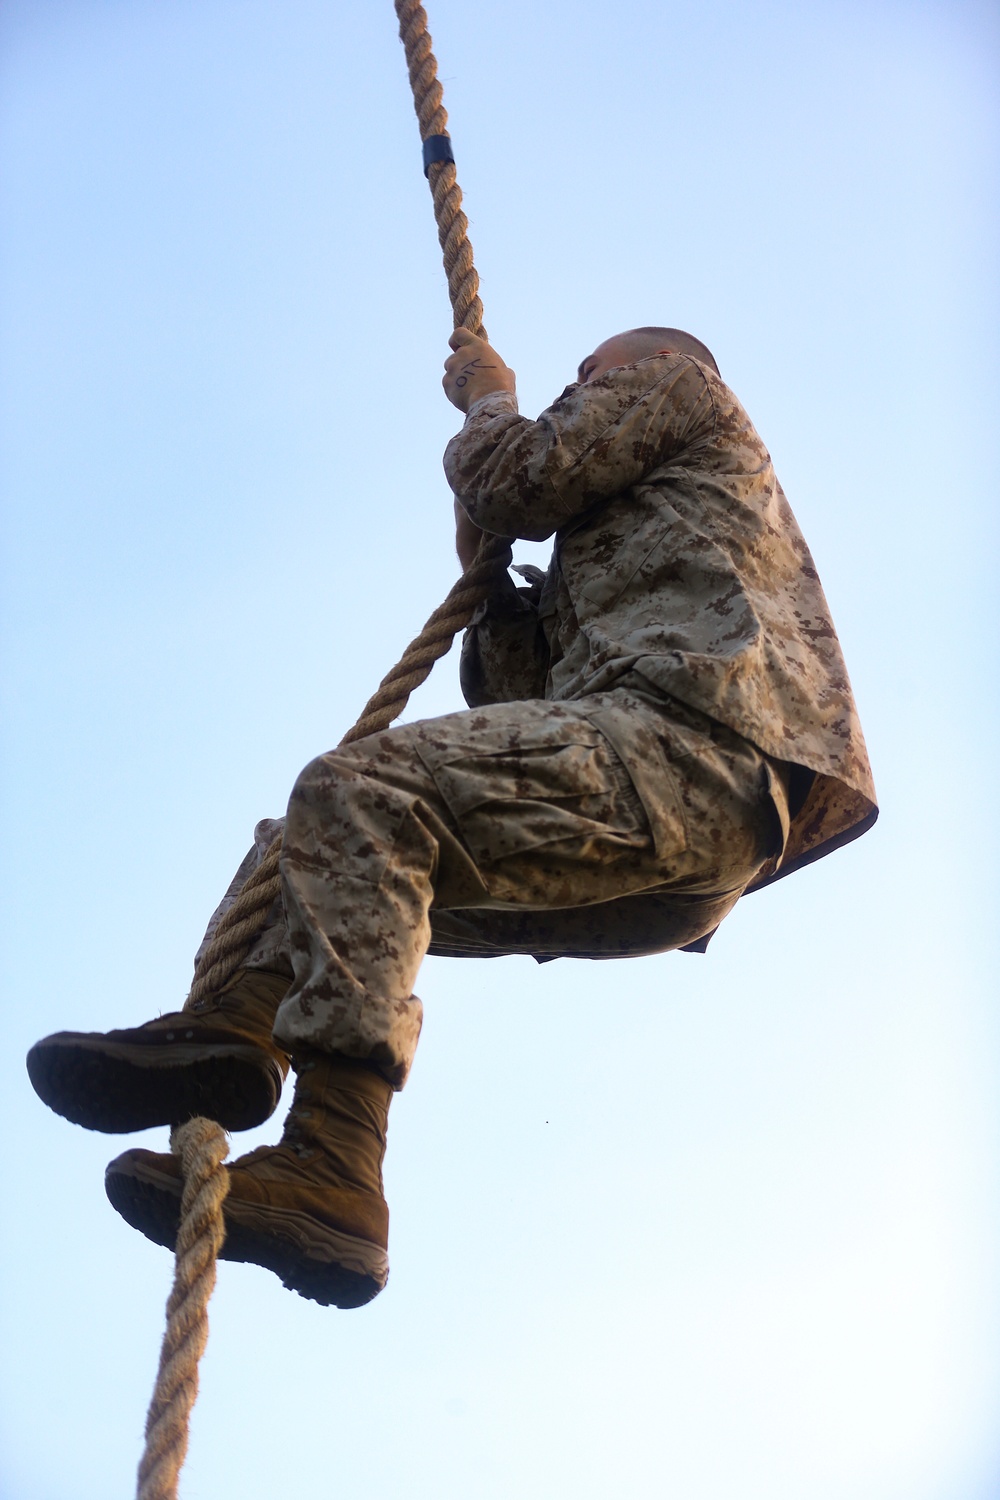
(573, 793)
(654, 779)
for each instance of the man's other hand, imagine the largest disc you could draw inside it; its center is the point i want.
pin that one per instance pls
(474, 369)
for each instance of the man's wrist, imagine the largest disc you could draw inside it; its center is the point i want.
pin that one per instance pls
(499, 400)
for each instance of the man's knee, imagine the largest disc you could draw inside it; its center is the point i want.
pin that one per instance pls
(346, 805)
(315, 779)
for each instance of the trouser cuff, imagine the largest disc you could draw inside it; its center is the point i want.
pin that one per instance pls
(381, 1033)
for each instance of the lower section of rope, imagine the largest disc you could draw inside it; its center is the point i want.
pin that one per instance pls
(202, 1147)
(201, 1144)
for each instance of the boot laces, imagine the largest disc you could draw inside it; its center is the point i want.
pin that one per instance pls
(296, 1134)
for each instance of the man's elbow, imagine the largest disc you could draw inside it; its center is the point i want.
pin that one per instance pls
(525, 523)
(539, 531)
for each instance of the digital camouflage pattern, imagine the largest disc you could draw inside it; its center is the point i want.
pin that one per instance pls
(678, 571)
(518, 828)
(658, 723)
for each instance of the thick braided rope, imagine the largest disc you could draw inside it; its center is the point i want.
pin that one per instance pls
(432, 117)
(202, 1147)
(201, 1144)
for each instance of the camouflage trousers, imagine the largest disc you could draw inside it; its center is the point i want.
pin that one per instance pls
(595, 828)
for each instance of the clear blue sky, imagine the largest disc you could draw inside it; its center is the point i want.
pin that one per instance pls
(687, 1227)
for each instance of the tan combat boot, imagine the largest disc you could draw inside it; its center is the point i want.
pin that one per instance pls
(215, 1057)
(310, 1209)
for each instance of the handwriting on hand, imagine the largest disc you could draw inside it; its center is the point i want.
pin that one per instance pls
(474, 364)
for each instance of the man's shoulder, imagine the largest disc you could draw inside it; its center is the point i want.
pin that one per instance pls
(631, 382)
(661, 394)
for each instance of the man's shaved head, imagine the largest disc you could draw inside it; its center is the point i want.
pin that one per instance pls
(674, 338)
(639, 343)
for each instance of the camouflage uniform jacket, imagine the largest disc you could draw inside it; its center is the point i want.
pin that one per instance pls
(678, 571)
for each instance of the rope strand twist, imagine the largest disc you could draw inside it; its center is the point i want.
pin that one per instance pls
(202, 1147)
(201, 1144)
(432, 118)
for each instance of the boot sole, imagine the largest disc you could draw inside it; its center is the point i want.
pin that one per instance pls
(121, 1088)
(308, 1257)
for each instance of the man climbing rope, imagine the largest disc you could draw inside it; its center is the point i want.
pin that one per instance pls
(657, 724)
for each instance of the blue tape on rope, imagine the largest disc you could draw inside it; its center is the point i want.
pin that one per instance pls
(436, 148)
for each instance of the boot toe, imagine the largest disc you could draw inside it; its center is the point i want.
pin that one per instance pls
(133, 1080)
(145, 1188)
(284, 1233)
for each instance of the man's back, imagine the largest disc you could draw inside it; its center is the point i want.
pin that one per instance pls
(678, 571)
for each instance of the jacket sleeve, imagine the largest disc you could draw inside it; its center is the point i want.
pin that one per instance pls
(520, 478)
(504, 652)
